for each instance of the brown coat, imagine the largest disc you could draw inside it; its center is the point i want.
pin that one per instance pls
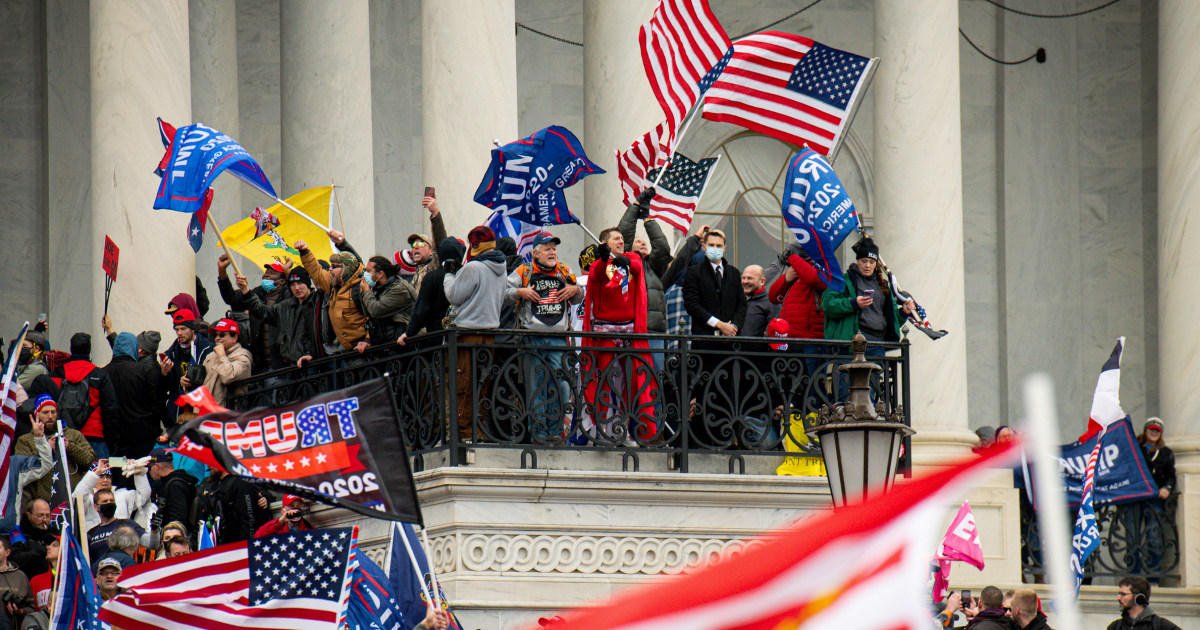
(221, 374)
(349, 324)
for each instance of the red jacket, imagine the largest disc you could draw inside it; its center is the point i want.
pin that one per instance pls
(280, 526)
(102, 421)
(801, 299)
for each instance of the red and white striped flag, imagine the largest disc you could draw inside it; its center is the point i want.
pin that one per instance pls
(864, 566)
(790, 88)
(680, 44)
(298, 581)
(8, 420)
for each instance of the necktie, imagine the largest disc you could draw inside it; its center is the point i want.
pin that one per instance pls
(720, 277)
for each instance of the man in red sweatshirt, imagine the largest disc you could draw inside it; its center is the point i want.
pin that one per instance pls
(291, 520)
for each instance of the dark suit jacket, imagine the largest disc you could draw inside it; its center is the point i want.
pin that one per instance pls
(703, 298)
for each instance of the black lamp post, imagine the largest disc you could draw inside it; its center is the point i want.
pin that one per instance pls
(860, 440)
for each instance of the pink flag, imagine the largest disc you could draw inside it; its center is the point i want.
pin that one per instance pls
(960, 543)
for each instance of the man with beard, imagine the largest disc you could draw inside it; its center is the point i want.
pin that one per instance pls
(1133, 594)
(32, 539)
(349, 323)
(542, 289)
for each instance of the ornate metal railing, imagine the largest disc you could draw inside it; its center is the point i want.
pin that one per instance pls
(593, 391)
(1140, 538)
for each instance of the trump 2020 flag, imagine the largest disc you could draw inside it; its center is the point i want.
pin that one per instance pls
(960, 543)
(1086, 537)
(864, 566)
(525, 179)
(76, 602)
(818, 210)
(199, 154)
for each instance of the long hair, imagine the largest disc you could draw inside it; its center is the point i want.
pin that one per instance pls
(1143, 440)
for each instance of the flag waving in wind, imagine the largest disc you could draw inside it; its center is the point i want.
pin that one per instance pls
(525, 179)
(1106, 404)
(76, 602)
(961, 543)
(680, 45)
(199, 154)
(818, 210)
(267, 234)
(790, 88)
(8, 422)
(863, 566)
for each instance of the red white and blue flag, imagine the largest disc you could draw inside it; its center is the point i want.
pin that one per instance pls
(864, 566)
(680, 45)
(8, 421)
(298, 580)
(790, 88)
(679, 189)
(198, 154)
(1106, 402)
(76, 602)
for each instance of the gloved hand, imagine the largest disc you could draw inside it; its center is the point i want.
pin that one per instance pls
(451, 265)
(622, 261)
(603, 252)
(645, 196)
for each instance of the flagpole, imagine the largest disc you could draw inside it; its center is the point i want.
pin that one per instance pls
(433, 574)
(412, 558)
(589, 232)
(1052, 522)
(687, 122)
(324, 228)
(341, 219)
(221, 240)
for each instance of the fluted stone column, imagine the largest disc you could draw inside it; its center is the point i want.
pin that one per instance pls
(618, 105)
(918, 205)
(325, 103)
(139, 70)
(1178, 257)
(469, 98)
(213, 26)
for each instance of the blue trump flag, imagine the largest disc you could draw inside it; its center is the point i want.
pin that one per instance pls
(77, 602)
(403, 578)
(818, 210)
(372, 604)
(526, 178)
(1121, 474)
(199, 154)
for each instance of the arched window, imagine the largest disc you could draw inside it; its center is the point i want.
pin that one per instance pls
(744, 194)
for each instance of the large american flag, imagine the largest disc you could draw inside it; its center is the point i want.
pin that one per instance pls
(8, 420)
(298, 581)
(788, 87)
(680, 44)
(679, 189)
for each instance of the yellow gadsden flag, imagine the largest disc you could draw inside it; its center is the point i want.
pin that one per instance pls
(275, 241)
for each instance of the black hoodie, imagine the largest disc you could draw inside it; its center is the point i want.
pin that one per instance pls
(432, 304)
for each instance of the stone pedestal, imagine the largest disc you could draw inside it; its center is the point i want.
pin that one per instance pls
(918, 205)
(139, 70)
(213, 26)
(618, 105)
(325, 103)
(469, 76)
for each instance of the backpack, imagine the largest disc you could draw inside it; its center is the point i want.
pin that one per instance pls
(74, 403)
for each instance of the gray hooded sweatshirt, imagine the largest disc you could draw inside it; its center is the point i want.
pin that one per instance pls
(477, 291)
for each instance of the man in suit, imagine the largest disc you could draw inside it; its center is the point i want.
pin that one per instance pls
(713, 297)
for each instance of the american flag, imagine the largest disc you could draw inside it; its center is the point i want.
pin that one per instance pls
(680, 44)
(523, 233)
(8, 420)
(76, 601)
(298, 580)
(679, 190)
(788, 87)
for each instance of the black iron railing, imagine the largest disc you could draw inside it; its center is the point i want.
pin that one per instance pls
(594, 391)
(1140, 538)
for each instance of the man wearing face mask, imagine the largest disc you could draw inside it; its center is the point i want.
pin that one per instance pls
(270, 290)
(291, 520)
(386, 298)
(31, 360)
(105, 503)
(100, 478)
(295, 323)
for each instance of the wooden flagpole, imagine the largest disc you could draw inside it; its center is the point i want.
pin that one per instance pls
(221, 240)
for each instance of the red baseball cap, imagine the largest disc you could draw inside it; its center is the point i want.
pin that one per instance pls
(225, 325)
(275, 266)
(778, 328)
(184, 317)
(289, 499)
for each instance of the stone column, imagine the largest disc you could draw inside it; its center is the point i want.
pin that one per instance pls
(213, 26)
(1178, 231)
(468, 99)
(618, 105)
(918, 205)
(325, 105)
(139, 70)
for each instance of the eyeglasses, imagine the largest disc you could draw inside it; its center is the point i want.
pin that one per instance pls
(419, 244)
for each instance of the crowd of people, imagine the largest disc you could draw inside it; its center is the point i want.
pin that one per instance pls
(1021, 609)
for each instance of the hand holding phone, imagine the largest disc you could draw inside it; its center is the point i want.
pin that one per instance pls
(116, 461)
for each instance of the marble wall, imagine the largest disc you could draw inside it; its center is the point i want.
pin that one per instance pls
(23, 242)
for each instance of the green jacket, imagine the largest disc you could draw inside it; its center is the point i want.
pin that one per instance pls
(841, 311)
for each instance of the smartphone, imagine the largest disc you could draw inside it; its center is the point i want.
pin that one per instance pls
(430, 192)
(116, 461)
(966, 597)
(42, 317)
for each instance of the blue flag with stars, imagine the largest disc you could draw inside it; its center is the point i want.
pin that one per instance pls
(818, 210)
(77, 601)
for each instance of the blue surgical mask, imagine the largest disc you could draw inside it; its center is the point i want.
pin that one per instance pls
(370, 280)
(268, 284)
(714, 254)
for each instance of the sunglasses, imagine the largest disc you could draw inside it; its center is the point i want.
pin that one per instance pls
(337, 266)
(220, 334)
(419, 244)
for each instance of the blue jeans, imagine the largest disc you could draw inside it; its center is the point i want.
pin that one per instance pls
(541, 366)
